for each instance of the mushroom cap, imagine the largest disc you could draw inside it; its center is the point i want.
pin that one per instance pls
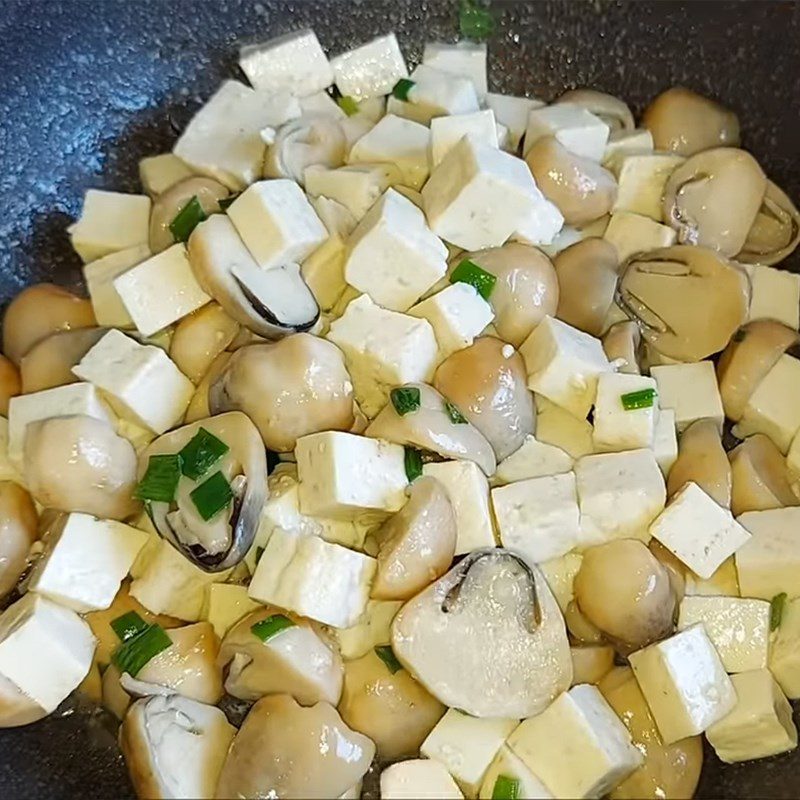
(702, 460)
(775, 232)
(18, 531)
(622, 340)
(199, 338)
(613, 111)
(50, 361)
(310, 140)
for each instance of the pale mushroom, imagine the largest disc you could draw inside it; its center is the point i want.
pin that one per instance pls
(115, 699)
(200, 338)
(613, 111)
(760, 477)
(10, 383)
(775, 232)
(621, 344)
(16, 708)
(579, 627)
(49, 363)
(591, 662)
(198, 405)
(290, 388)
(487, 637)
(285, 750)
(674, 566)
(91, 687)
(310, 140)
(18, 531)
(702, 460)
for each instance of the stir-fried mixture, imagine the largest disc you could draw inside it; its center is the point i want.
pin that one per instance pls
(454, 434)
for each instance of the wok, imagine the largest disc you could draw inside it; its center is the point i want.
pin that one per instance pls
(88, 88)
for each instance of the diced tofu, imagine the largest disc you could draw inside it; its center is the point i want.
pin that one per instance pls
(574, 127)
(534, 459)
(371, 629)
(691, 391)
(738, 627)
(784, 656)
(468, 491)
(577, 746)
(723, 583)
(560, 428)
(159, 173)
(775, 294)
(225, 604)
(538, 517)
(45, 649)
(435, 94)
(109, 310)
(622, 143)
(619, 495)
(590, 663)
(665, 440)
(418, 779)
(446, 132)
(383, 349)
(508, 765)
(769, 563)
(684, 683)
(564, 364)
(464, 59)
(560, 575)
(760, 724)
(322, 103)
(634, 233)
(512, 112)
(466, 746)
(294, 63)
(109, 222)
(356, 186)
(370, 70)
(542, 224)
(641, 180)
(615, 427)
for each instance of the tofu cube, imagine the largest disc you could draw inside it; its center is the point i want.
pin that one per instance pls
(775, 294)
(464, 59)
(508, 765)
(418, 778)
(615, 427)
(760, 724)
(723, 583)
(140, 381)
(109, 310)
(691, 391)
(513, 112)
(162, 172)
(784, 656)
(634, 233)
(640, 182)
(622, 143)
(356, 186)
(738, 628)
(684, 682)
(373, 628)
(468, 490)
(8, 472)
(564, 364)
(560, 576)
(591, 663)
(665, 440)
(322, 103)
(534, 459)
(383, 349)
(446, 132)
(45, 649)
(225, 604)
(370, 70)
(466, 746)
(619, 495)
(542, 224)
(577, 746)
(435, 94)
(573, 126)
(538, 517)
(560, 428)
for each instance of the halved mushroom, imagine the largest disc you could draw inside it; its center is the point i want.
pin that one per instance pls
(495, 617)
(587, 281)
(49, 363)
(688, 301)
(581, 189)
(298, 661)
(488, 383)
(712, 199)
(222, 541)
(613, 111)
(37, 312)
(200, 338)
(16, 708)
(435, 427)
(388, 705)
(10, 383)
(760, 477)
(271, 303)
(18, 531)
(621, 343)
(285, 750)
(79, 463)
(313, 139)
(198, 405)
(684, 122)
(290, 388)
(775, 232)
(702, 459)
(175, 747)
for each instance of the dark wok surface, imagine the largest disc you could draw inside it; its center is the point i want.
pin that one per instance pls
(89, 88)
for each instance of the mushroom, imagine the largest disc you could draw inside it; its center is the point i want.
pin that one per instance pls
(271, 303)
(79, 463)
(18, 531)
(591, 662)
(702, 460)
(580, 629)
(625, 592)
(169, 204)
(684, 122)
(16, 708)
(115, 699)
(10, 383)
(434, 426)
(581, 189)
(417, 544)
(298, 661)
(752, 352)
(285, 750)
(613, 111)
(526, 290)
(621, 344)
(310, 140)
(49, 363)
(37, 312)
(382, 701)
(488, 383)
(775, 232)
(198, 405)
(713, 198)
(668, 770)
(494, 617)
(91, 687)
(760, 477)
(674, 566)
(174, 746)
(200, 338)
(687, 300)
(587, 281)
(290, 388)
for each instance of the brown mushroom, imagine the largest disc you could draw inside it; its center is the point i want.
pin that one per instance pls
(49, 363)
(702, 460)
(621, 343)
(613, 111)
(18, 531)
(200, 338)
(10, 383)
(775, 232)
(760, 477)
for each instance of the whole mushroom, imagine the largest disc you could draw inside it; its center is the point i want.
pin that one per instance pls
(621, 343)
(18, 531)
(199, 338)
(702, 459)
(49, 363)
(775, 232)
(759, 476)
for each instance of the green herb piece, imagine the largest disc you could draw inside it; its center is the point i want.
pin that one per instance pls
(505, 788)
(211, 496)
(128, 625)
(227, 202)
(386, 654)
(348, 104)
(201, 453)
(413, 464)
(776, 606)
(402, 88)
(187, 219)
(469, 272)
(134, 653)
(160, 479)
(270, 627)
(475, 21)
(644, 398)
(456, 417)
(405, 399)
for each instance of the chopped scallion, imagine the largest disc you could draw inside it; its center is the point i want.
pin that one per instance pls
(405, 399)
(413, 464)
(270, 627)
(505, 788)
(386, 654)
(475, 21)
(211, 496)
(160, 479)
(128, 625)
(348, 104)
(134, 653)
(402, 88)
(469, 272)
(776, 607)
(201, 453)
(644, 398)
(187, 219)
(456, 417)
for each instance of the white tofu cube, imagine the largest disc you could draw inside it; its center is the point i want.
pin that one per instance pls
(109, 222)
(738, 627)
(512, 112)
(435, 93)
(665, 440)
(464, 59)
(162, 172)
(356, 186)
(383, 349)
(538, 517)
(45, 649)
(560, 428)
(616, 427)
(619, 495)
(418, 779)
(691, 391)
(622, 143)
(784, 656)
(634, 233)
(760, 724)
(564, 364)
(468, 490)
(560, 576)
(775, 294)
(723, 583)
(109, 310)
(542, 223)
(508, 765)
(534, 459)
(225, 604)
(641, 180)
(370, 70)
(574, 127)
(684, 683)
(577, 746)
(373, 628)
(446, 132)
(294, 63)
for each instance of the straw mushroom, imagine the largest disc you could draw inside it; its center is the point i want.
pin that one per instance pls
(702, 460)
(200, 338)
(198, 405)
(18, 531)
(16, 708)
(579, 627)
(613, 111)
(310, 140)
(49, 363)
(621, 342)
(760, 477)
(775, 232)
(10, 383)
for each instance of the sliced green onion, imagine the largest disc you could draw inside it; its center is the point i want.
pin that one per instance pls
(211, 496)
(405, 399)
(270, 627)
(201, 453)
(456, 417)
(505, 788)
(776, 606)
(386, 654)
(644, 398)
(226, 202)
(475, 21)
(134, 653)
(160, 479)
(128, 625)
(187, 219)
(348, 104)
(402, 88)
(413, 464)
(469, 272)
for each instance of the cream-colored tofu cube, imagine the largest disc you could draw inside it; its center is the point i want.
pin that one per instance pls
(512, 112)
(635, 233)
(665, 440)
(619, 428)
(591, 662)
(560, 576)
(370, 70)
(542, 223)
(446, 132)
(691, 391)
(775, 294)
(573, 126)
(784, 656)
(684, 682)
(465, 59)
(510, 766)
(356, 186)
(418, 779)
(435, 93)
(109, 310)
(560, 428)
(373, 628)
(225, 604)
(623, 142)
(641, 180)
(723, 583)
(534, 459)
(162, 172)
(8, 471)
